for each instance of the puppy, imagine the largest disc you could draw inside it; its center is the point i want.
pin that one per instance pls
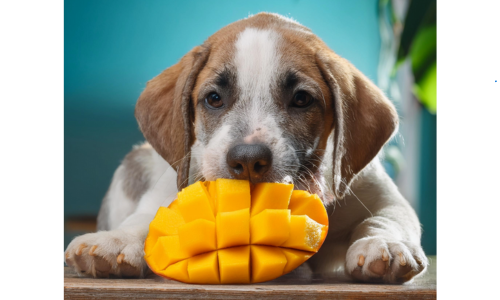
(266, 100)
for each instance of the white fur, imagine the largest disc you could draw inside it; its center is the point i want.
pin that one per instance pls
(257, 61)
(118, 198)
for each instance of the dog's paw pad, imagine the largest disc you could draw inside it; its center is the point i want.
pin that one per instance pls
(379, 267)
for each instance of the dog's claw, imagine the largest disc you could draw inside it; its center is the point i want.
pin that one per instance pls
(361, 260)
(385, 256)
(402, 259)
(119, 258)
(80, 249)
(91, 251)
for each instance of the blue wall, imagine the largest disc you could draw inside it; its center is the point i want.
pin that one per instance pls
(112, 48)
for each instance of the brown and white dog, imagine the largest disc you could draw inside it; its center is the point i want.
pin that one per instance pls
(263, 99)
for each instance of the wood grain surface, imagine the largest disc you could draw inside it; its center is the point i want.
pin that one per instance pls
(291, 286)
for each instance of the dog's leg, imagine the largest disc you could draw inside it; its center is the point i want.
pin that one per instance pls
(119, 250)
(386, 246)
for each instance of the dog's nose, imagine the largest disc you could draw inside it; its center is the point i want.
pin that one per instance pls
(249, 162)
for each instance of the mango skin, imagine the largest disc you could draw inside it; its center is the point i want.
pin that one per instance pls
(255, 234)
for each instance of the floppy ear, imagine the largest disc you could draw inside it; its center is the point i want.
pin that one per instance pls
(364, 119)
(165, 114)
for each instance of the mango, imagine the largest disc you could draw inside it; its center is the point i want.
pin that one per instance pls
(307, 234)
(233, 228)
(194, 203)
(270, 227)
(233, 232)
(303, 203)
(179, 271)
(197, 237)
(294, 258)
(267, 263)
(175, 206)
(165, 222)
(204, 268)
(232, 194)
(234, 265)
(166, 251)
(270, 195)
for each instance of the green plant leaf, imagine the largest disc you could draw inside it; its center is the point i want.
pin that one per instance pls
(426, 88)
(423, 51)
(420, 13)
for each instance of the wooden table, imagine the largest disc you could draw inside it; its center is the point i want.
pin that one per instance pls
(291, 286)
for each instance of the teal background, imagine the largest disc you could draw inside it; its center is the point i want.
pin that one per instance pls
(112, 48)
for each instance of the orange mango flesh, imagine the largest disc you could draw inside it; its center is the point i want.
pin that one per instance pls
(270, 195)
(233, 228)
(197, 237)
(270, 227)
(194, 203)
(232, 194)
(232, 232)
(234, 264)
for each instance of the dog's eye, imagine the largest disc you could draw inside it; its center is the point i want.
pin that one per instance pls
(213, 100)
(302, 99)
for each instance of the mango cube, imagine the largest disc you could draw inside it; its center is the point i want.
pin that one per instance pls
(165, 222)
(194, 203)
(233, 228)
(267, 263)
(270, 227)
(175, 206)
(234, 265)
(197, 237)
(294, 258)
(149, 243)
(270, 195)
(179, 271)
(166, 252)
(306, 234)
(232, 194)
(204, 268)
(303, 203)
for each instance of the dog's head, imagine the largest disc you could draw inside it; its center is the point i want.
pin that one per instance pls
(260, 100)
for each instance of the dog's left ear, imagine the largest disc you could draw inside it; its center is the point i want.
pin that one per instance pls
(165, 114)
(364, 119)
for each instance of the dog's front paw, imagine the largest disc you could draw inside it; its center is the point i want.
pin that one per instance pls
(374, 259)
(106, 253)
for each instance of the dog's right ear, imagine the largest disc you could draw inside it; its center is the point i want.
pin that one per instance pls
(165, 114)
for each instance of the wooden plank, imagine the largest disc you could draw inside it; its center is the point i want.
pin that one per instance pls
(291, 286)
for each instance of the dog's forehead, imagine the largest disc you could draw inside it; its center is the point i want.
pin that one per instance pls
(260, 48)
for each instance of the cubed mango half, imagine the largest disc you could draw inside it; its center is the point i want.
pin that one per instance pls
(233, 232)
